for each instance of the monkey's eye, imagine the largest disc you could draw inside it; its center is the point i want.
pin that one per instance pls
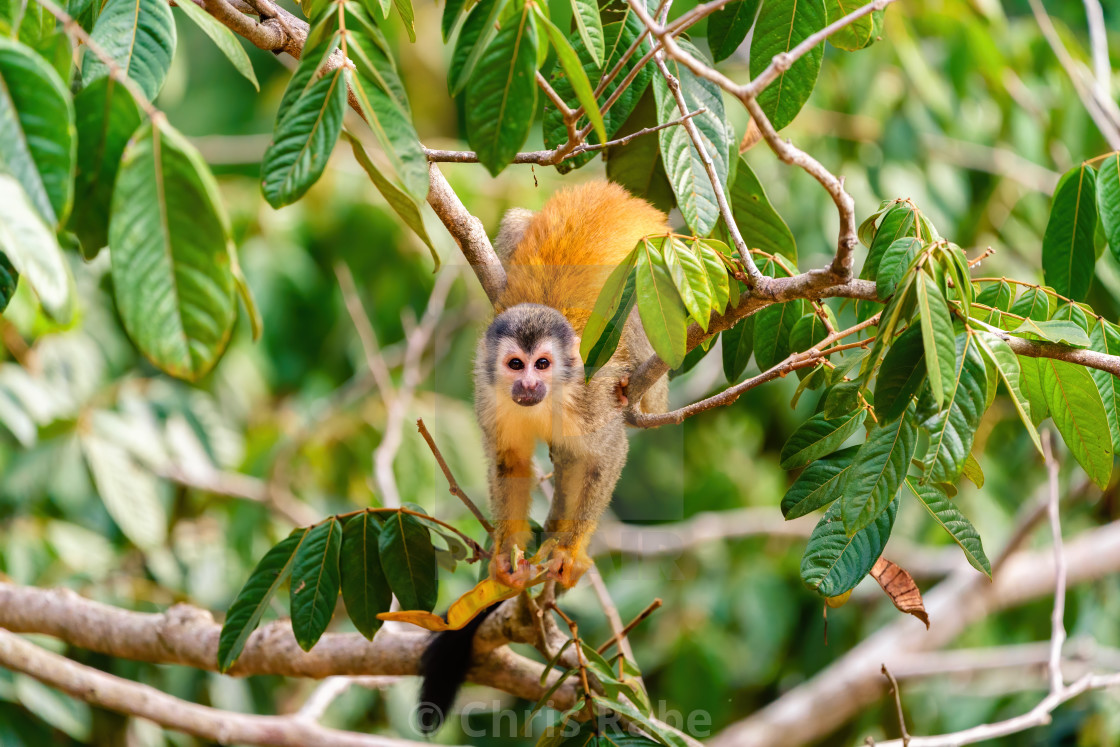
(542, 364)
(516, 364)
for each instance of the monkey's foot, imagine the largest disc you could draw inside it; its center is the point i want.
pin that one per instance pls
(503, 571)
(620, 391)
(567, 565)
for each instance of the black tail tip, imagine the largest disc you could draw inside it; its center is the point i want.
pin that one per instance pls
(428, 718)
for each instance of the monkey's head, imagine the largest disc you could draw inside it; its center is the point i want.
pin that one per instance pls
(531, 349)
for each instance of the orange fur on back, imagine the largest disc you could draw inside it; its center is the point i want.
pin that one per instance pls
(571, 246)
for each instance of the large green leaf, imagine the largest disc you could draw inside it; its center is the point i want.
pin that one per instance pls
(171, 258)
(305, 132)
(1054, 330)
(502, 92)
(1108, 201)
(894, 263)
(899, 220)
(937, 336)
(819, 436)
(945, 513)
(245, 613)
(758, 221)
(409, 561)
(223, 39)
(364, 587)
(37, 121)
(856, 35)
(1033, 303)
(782, 25)
(901, 375)
(999, 354)
(377, 87)
(474, 37)
(952, 430)
(139, 36)
(711, 256)
(1078, 412)
(315, 582)
(1068, 254)
(738, 344)
(877, 473)
(107, 116)
(32, 248)
(728, 27)
(1105, 338)
(819, 484)
(772, 329)
(683, 163)
(835, 562)
(130, 492)
(570, 63)
(998, 296)
(664, 316)
(605, 318)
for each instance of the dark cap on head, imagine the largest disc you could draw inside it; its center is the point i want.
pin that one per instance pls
(528, 324)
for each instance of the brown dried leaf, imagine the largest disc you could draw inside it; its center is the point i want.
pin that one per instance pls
(750, 137)
(900, 587)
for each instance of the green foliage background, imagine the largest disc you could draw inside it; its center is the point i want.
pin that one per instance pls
(899, 119)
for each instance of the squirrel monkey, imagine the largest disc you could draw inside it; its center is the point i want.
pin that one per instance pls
(529, 379)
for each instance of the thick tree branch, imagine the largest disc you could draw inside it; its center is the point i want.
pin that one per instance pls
(468, 232)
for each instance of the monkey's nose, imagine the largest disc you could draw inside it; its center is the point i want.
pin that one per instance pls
(528, 393)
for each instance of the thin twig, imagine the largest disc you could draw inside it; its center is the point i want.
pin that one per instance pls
(622, 634)
(898, 705)
(610, 610)
(1057, 617)
(452, 483)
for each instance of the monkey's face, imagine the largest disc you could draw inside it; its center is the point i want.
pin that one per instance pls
(533, 350)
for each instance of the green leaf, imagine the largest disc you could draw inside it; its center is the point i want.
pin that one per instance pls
(952, 430)
(1078, 412)
(1068, 255)
(169, 236)
(937, 337)
(659, 731)
(710, 255)
(999, 354)
(37, 121)
(401, 202)
(835, 562)
(573, 68)
(896, 259)
(819, 484)
(689, 276)
(1034, 303)
(856, 35)
(107, 116)
(9, 281)
(819, 436)
(245, 613)
(130, 491)
(590, 27)
(1108, 201)
(223, 39)
(664, 316)
(683, 163)
(901, 375)
(1105, 338)
(315, 582)
(772, 330)
(807, 331)
(364, 588)
(33, 249)
(637, 164)
(998, 296)
(377, 87)
(899, 220)
(1055, 330)
(305, 133)
(945, 513)
(139, 36)
(604, 316)
(502, 94)
(738, 344)
(409, 561)
(452, 10)
(474, 37)
(408, 17)
(603, 350)
(877, 473)
(758, 222)
(781, 26)
(728, 27)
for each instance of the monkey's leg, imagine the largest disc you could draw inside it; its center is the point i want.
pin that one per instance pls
(511, 477)
(584, 480)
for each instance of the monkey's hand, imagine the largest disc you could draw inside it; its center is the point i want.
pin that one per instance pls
(505, 571)
(620, 391)
(567, 564)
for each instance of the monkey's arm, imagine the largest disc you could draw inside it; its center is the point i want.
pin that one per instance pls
(584, 478)
(511, 475)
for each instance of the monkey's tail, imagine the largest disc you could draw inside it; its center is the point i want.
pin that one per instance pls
(443, 669)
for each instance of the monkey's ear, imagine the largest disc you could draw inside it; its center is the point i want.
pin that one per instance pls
(574, 351)
(514, 224)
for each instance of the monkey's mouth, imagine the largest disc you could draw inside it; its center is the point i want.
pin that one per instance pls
(527, 398)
